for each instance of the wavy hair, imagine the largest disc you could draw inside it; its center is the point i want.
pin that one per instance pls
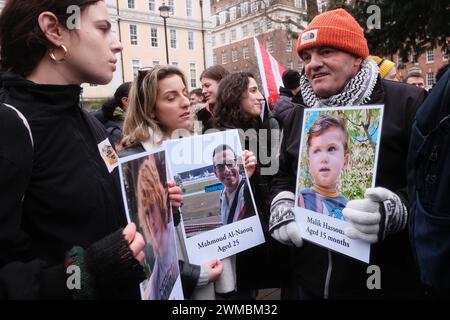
(228, 112)
(150, 192)
(138, 125)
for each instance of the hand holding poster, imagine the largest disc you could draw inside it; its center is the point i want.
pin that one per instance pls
(219, 212)
(338, 157)
(144, 188)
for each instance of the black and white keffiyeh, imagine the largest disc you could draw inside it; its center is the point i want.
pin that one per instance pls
(356, 92)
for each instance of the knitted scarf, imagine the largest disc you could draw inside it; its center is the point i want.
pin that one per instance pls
(357, 91)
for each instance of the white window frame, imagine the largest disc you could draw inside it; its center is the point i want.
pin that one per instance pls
(244, 9)
(131, 4)
(152, 3)
(171, 5)
(429, 55)
(133, 34)
(193, 75)
(191, 40)
(245, 53)
(233, 35)
(154, 37)
(289, 45)
(233, 14)
(135, 65)
(234, 55)
(173, 38)
(224, 58)
(269, 46)
(189, 12)
(430, 79)
(245, 31)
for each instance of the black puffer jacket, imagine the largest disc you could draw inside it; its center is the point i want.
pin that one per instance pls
(56, 196)
(347, 277)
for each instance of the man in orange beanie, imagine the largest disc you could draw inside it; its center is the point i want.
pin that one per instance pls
(338, 72)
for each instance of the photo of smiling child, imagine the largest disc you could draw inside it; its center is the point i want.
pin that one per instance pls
(327, 150)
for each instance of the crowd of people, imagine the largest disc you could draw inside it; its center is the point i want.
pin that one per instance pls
(61, 203)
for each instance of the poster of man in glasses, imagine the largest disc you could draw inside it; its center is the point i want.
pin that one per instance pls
(219, 215)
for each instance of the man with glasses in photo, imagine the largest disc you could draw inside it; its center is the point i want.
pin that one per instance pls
(235, 199)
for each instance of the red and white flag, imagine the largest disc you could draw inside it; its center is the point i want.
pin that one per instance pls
(270, 71)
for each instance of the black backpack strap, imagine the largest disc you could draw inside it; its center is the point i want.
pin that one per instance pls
(235, 201)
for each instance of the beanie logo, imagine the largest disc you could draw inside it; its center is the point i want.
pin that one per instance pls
(309, 36)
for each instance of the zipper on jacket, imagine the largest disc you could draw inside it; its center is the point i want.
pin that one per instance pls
(327, 279)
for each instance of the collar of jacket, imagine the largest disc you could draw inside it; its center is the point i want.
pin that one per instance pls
(285, 92)
(54, 98)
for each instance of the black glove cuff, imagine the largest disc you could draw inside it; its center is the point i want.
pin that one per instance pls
(111, 261)
(75, 257)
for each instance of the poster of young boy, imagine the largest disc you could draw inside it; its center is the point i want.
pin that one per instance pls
(144, 188)
(219, 215)
(337, 163)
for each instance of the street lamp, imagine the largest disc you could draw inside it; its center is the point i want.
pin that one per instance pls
(164, 12)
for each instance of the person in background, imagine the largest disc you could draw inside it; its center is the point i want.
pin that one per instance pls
(289, 95)
(112, 111)
(210, 79)
(61, 206)
(387, 68)
(415, 77)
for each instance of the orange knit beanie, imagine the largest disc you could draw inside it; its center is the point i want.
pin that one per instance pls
(337, 29)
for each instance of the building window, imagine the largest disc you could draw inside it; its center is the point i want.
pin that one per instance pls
(92, 85)
(133, 35)
(214, 20)
(214, 59)
(136, 64)
(233, 35)
(234, 55)
(298, 3)
(254, 7)
(154, 36)
(131, 4)
(257, 27)
(222, 38)
(189, 8)
(244, 9)
(290, 65)
(191, 40)
(213, 41)
(151, 5)
(193, 74)
(222, 17)
(155, 63)
(430, 55)
(171, 5)
(269, 46)
(430, 79)
(224, 58)
(300, 67)
(414, 58)
(233, 14)
(173, 39)
(175, 64)
(289, 46)
(245, 52)
(245, 31)
(269, 24)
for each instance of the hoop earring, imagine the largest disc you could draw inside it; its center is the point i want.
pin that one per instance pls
(52, 54)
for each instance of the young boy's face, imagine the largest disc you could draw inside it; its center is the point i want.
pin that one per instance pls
(327, 158)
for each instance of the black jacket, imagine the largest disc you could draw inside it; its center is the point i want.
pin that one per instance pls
(283, 105)
(56, 196)
(393, 256)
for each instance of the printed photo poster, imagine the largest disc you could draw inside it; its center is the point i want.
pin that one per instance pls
(219, 215)
(144, 188)
(337, 163)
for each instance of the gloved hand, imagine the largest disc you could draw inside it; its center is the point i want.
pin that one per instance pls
(282, 225)
(113, 261)
(380, 214)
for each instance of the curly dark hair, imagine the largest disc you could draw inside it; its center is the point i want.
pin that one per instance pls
(228, 112)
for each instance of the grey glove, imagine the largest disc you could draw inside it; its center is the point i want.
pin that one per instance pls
(380, 214)
(282, 225)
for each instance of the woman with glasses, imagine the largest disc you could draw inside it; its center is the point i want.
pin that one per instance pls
(158, 110)
(239, 106)
(61, 207)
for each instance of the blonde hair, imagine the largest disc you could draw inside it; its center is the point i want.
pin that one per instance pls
(139, 126)
(150, 192)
